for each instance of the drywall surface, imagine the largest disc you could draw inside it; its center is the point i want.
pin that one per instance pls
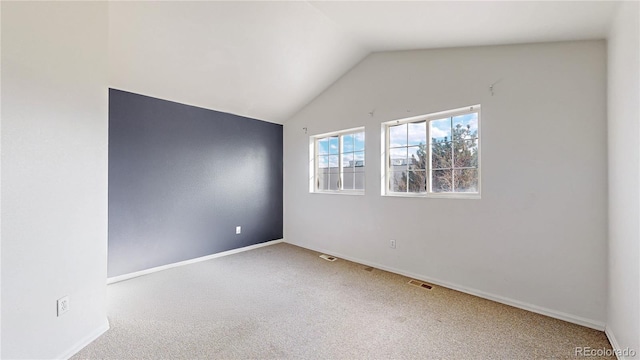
(0, 181)
(181, 178)
(537, 237)
(623, 303)
(260, 59)
(54, 176)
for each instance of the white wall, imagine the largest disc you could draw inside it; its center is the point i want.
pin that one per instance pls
(537, 238)
(0, 180)
(54, 176)
(623, 302)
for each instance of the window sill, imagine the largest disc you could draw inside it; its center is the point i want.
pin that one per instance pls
(467, 196)
(338, 192)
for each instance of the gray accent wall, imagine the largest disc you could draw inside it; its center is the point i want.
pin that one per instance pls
(181, 178)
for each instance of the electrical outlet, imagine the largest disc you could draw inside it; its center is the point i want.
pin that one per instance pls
(63, 305)
(238, 229)
(392, 244)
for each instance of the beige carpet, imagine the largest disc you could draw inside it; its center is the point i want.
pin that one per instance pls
(282, 301)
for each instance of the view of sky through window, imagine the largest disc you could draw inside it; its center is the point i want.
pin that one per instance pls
(437, 155)
(340, 162)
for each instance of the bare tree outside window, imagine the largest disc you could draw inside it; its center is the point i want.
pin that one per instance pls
(449, 163)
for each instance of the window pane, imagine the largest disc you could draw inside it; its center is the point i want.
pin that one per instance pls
(398, 157)
(336, 159)
(347, 161)
(465, 153)
(323, 146)
(441, 180)
(347, 143)
(417, 158)
(359, 181)
(348, 180)
(323, 179)
(359, 141)
(465, 127)
(358, 158)
(417, 133)
(440, 129)
(465, 180)
(334, 180)
(323, 162)
(398, 135)
(333, 163)
(333, 145)
(417, 181)
(398, 181)
(440, 154)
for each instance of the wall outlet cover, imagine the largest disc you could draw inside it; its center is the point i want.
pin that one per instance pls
(63, 305)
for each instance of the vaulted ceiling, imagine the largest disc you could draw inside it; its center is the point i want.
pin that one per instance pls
(267, 59)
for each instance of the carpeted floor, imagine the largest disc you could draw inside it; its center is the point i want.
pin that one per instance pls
(282, 301)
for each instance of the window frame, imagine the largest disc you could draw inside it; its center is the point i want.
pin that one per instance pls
(314, 166)
(386, 162)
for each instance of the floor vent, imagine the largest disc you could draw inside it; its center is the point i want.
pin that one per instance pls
(368, 269)
(328, 257)
(420, 284)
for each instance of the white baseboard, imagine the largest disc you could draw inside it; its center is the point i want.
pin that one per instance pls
(132, 275)
(598, 325)
(85, 341)
(612, 340)
(620, 355)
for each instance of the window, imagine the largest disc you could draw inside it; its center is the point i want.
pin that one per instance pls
(337, 162)
(433, 155)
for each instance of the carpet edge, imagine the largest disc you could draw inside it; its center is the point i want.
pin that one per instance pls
(135, 274)
(590, 323)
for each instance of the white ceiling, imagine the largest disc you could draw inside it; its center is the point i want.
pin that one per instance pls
(400, 25)
(268, 59)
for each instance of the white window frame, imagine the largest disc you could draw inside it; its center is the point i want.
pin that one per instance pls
(313, 166)
(385, 161)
